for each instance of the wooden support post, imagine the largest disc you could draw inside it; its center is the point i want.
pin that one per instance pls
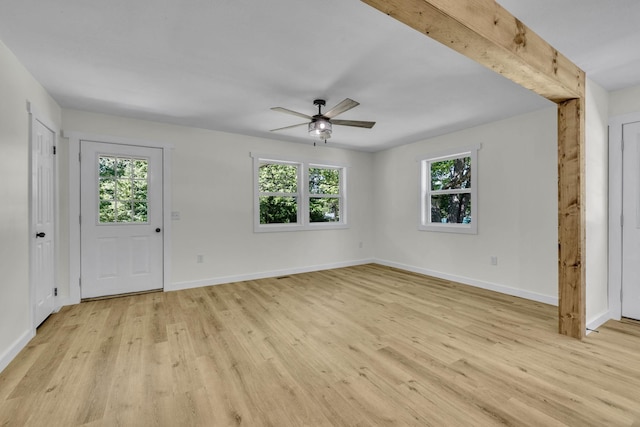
(571, 218)
(484, 31)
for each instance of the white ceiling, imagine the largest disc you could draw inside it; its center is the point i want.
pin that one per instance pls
(222, 64)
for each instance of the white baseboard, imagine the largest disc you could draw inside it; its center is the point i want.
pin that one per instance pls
(15, 348)
(61, 301)
(600, 320)
(546, 299)
(262, 275)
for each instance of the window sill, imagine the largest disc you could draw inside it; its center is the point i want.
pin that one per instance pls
(450, 228)
(276, 228)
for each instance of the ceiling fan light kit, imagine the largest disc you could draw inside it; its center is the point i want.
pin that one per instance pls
(320, 128)
(320, 125)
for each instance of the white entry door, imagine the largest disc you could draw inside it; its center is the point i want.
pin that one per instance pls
(631, 223)
(43, 140)
(121, 219)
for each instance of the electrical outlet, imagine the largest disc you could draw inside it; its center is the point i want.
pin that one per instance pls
(200, 259)
(494, 260)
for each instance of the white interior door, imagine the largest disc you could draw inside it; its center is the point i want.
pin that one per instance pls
(631, 222)
(121, 219)
(43, 140)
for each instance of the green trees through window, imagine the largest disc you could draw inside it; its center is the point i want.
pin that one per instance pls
(122, 187)
(450, 195)
(449, 191)
(281, 196)
(278, 187)
(324, 191)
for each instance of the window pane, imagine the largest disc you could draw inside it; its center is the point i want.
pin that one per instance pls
(140, 190)
(324, 181)
(123, 189)
(123, 168)
(106, 166)
(123, 211)
(277, 178)
(324, 210)
(107, 189)
(139, 212)
(451, 174)
(451, 208)
(278, 210)
(107, 211)
(140, 168)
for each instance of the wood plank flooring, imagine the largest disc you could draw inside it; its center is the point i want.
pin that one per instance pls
(359, 346)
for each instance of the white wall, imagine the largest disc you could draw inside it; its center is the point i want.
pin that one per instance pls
(16, 87)
(597, 204)
(518, 213)
(212, 189)
(624, 101)
(517, 209)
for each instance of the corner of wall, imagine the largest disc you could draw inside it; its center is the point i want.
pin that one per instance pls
(12, 351)
(597, 321)
(597, 199)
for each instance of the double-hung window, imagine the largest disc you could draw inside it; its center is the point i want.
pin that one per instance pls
(325, 195)
(278, 192)
(298, 195)
(449, 192)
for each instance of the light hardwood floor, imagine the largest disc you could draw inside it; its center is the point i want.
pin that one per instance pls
(359, 346)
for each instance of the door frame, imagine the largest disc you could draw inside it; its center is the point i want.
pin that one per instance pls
(616, 125)
(36, 115)
(75, 140)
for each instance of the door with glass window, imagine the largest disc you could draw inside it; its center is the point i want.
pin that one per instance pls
(121, 219)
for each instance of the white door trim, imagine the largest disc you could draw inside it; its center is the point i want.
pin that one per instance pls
(615, 211)
(75, 139)
(34, 114)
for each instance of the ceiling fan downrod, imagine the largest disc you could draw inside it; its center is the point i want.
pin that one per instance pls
(320, 103)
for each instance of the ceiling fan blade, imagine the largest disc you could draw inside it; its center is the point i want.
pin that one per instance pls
(356, 123)
(295, 113)
(289, 127)
(345, 105)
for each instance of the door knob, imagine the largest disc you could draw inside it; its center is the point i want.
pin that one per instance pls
(40, 234)
(158, 230)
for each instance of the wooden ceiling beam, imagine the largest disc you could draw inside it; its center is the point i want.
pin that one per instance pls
(485, 32)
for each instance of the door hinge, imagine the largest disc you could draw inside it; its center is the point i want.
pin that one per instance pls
(621, 220)
(80, 282)
(622, 145)
(54, 150)
(78, 156)
(80, 219)
(55, 292)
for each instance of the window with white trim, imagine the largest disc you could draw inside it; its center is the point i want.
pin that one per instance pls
(325, 195)
(449, 192)
(278, 195)
(298, 195)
